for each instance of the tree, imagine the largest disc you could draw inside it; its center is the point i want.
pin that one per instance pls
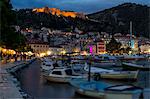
(113, 46)
(128, 49)
(9, 38)
(36, 36)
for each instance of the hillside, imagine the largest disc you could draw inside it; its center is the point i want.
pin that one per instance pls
(111, 20)
(28, 18)
(119, 17)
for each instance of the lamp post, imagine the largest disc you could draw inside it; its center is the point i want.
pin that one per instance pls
(89, 73)
(90, 63)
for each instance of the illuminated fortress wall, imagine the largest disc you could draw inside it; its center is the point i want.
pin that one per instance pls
(58, 12)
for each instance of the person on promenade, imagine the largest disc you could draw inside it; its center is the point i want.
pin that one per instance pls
(15, 56)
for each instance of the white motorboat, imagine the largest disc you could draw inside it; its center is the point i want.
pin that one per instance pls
(105, 61)
(62, 75)
(77, 66)
(96, 69)
(46, 66)
(99, 73)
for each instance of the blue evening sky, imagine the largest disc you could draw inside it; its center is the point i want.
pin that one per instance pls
(86, 6)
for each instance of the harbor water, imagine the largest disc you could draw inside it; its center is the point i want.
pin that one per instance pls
(37, 87)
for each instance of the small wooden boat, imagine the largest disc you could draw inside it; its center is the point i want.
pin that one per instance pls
(105, 90)
(119, 75)
(132, 66)
(62, 75)
(99, 73)
(46, 66)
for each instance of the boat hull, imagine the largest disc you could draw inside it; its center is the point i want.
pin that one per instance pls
(120, 76)
(117, 95)
(63, 79)
(130, 67)
(90, 93)
(103, 90)
(108, 95)
(104, 64)
(57, 79)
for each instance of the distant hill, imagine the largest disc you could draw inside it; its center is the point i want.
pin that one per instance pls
(111, 20)
(118, 18)
(29, 18)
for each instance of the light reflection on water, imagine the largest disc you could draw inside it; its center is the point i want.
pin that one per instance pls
(35, 85)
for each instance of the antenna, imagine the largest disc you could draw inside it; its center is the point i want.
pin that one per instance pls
(130, 30)
(131, 40)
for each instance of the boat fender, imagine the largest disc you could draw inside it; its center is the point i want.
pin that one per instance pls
(97, 76)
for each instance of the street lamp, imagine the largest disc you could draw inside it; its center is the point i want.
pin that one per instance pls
(90, 63)
(49, 52)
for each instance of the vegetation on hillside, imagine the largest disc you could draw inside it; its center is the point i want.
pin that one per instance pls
(113, 46)
(113, 20)
(119, 18)
(9, 38)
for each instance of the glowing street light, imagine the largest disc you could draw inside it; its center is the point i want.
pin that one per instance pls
(49, 52)
(63, 52)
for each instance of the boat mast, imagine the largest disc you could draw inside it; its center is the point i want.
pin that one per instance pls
(130, 30)
(131, 34)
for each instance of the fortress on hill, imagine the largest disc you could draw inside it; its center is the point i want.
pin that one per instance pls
(58, 12)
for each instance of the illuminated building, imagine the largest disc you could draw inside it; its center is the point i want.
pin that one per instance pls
(100, 46)
(56, 50)
(38, 46)
(126, 41)
(145, 48)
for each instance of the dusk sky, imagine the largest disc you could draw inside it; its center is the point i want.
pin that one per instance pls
(86, 6)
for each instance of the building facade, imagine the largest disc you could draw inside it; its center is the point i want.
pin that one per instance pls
(39, 47)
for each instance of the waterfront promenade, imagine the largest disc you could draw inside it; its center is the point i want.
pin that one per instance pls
(8, 89)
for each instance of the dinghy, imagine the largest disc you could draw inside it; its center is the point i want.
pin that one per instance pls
(99, 89)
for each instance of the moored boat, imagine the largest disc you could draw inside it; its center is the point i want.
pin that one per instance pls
(46, 66)
(99, 73)
(119, 75)
(62, 75)
(105, 61)
(133, 66)
(132, 57)
(105, 90)
(123, 92)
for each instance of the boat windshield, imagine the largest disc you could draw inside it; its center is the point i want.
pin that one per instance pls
(68, 72)
(57, 72)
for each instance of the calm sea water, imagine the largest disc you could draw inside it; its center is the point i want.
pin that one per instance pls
(36, 86)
